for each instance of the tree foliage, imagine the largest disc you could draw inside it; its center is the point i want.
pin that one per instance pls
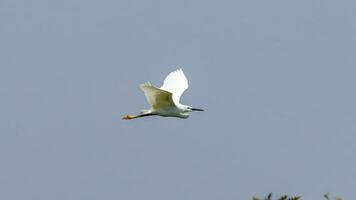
(286, 197)
(283, 197)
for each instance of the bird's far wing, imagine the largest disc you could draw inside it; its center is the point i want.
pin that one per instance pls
(176, 83)
(156, 97)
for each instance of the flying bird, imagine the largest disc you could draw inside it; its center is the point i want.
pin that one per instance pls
(165, 101)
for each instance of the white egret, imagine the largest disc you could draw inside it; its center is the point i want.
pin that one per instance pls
(164, 101)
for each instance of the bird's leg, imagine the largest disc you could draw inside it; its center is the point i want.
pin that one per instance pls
(129, 117)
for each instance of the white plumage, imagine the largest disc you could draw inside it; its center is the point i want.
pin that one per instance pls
(176, 83)
(157, 98)
(165, 101)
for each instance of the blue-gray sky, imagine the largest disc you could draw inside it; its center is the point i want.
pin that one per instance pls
(277, 80)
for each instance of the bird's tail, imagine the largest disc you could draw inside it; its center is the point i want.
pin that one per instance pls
(145, 112)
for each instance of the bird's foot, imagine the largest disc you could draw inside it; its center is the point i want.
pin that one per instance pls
(128, 117)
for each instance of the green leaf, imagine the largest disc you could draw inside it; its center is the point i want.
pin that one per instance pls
(284, 197)
(294, 198)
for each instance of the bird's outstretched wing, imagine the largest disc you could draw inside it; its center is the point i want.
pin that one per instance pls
(156, 97)
(175, 83)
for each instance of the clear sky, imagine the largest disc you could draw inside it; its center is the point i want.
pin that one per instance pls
(276, 78)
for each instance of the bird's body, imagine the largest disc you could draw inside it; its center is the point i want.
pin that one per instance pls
(165, 101)
(168, 112)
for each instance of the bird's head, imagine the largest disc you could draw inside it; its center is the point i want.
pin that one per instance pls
(191, 109)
